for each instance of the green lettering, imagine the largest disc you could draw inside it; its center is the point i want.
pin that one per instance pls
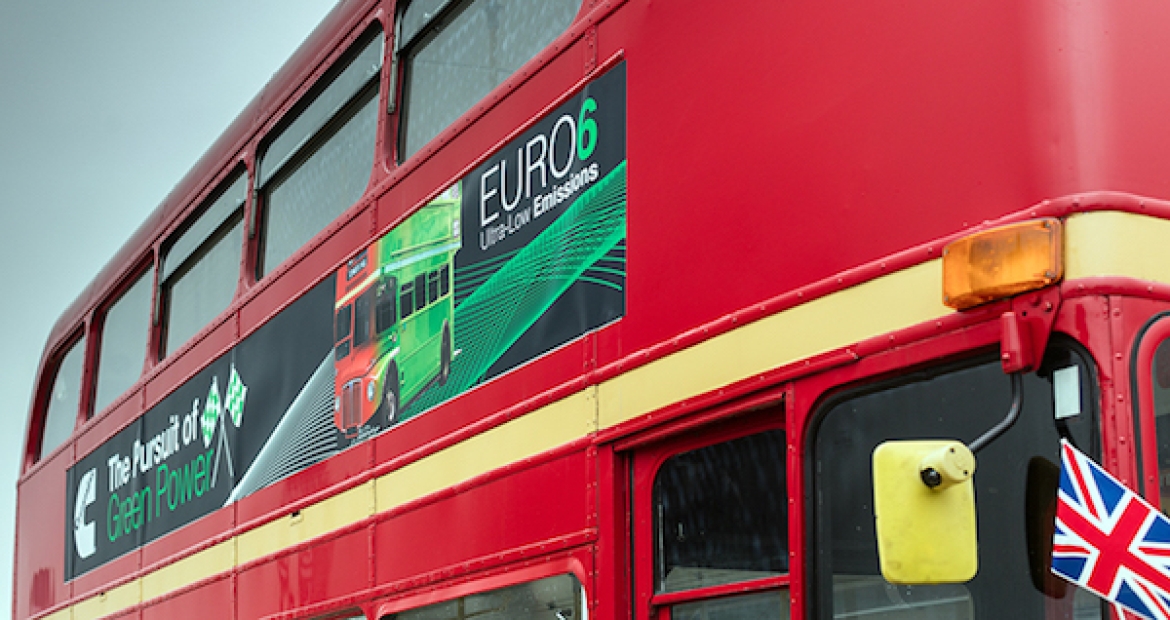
(186, 484)
(160, 481)
(200, 475)
(133, 516)
(587, 128)
(172, 496)
(126, 516)
(144, 499)
(112, 517)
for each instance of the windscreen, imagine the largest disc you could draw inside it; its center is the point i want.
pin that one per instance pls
(1015, 489)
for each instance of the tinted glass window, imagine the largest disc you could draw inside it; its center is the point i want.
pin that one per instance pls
(722, 514)
(341, 324)
(339, 90)
(201, 266)
(444, 280)
(64, 400)
(1015, 490)
(432, 286)
(361, 318)
(124, 337)
(320, 165)
(407, 299)
(228, 203)
(204, 286)
(387, 308)
(420, 290)
(459, 57)
(552, 598)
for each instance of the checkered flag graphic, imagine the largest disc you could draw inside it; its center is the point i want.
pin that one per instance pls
(211, 413)
(236, 393)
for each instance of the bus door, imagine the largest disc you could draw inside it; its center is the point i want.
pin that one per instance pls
(1014, 486)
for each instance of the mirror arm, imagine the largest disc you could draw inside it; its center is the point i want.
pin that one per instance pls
(1013, 414)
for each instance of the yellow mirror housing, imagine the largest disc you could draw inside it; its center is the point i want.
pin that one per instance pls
(926, 534)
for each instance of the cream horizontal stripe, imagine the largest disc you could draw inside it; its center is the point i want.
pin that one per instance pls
(1112, 243)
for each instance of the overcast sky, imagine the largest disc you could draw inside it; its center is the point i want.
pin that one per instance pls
(104, 105)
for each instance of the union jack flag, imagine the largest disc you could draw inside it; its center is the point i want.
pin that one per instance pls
(1109, 540)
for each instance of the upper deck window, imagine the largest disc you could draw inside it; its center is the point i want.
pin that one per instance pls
(319, 164)
(64, 400)
(123, 342)
(456, 52)
(201, 267)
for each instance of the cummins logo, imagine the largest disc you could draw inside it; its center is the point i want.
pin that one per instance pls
(84, 532)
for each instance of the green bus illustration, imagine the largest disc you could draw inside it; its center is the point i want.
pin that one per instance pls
(394, 317)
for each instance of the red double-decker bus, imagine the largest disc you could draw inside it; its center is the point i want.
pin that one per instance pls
(679, 269)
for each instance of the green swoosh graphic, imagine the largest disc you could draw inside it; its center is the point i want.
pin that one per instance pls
(498, 313)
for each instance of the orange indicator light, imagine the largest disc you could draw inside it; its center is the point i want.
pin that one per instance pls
(998, 263)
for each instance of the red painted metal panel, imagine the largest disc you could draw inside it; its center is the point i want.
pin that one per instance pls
(40, 546)
(329, 570)
(528, 506)
(210, 600)
(1147, 326)
(1139, 330)
(194, 536)
(612, 577)
(108, 576)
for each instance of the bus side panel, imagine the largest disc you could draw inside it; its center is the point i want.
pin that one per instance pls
(530, 506)
(327, 570)
(210, 600)
(98, 580)
(194, 534)
(40, 552)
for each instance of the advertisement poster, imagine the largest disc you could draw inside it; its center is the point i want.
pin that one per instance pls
(522, 255)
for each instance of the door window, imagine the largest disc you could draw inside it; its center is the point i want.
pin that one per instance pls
(713, 508)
